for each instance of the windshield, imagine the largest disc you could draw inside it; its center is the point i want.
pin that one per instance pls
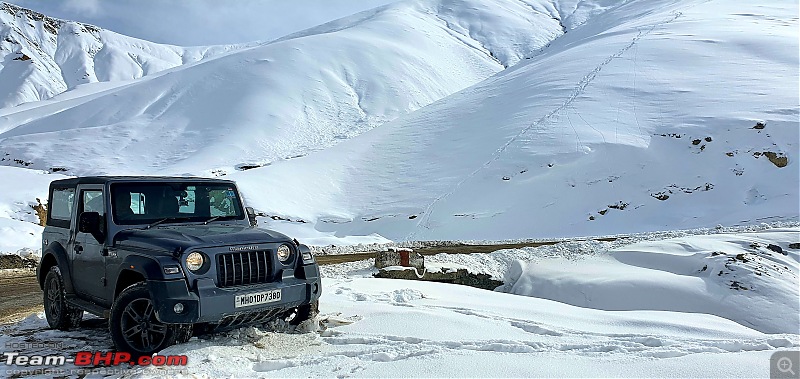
(147, 203)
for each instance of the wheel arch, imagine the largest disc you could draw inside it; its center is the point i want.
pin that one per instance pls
(127, 278)
(137, 268)
(55, 255)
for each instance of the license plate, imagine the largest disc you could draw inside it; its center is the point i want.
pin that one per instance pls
(256, 298)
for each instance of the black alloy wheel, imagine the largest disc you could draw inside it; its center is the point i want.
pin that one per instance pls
(133, 324)
(58, 313)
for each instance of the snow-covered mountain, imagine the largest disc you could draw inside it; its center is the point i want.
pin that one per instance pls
(442, 119)
(286, 98)
(653, 115)
(41, 56)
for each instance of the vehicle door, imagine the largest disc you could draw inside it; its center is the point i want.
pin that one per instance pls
(88, 262)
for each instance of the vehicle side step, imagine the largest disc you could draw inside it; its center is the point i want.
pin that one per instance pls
(88, 306)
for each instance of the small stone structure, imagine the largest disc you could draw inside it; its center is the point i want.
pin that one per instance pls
(390, 262)
(399, 257)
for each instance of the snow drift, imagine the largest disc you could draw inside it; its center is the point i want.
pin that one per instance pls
(749, 278)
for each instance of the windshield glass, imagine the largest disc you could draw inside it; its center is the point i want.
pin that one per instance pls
(146, 203)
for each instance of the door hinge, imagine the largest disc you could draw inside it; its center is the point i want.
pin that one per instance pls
(103, 281)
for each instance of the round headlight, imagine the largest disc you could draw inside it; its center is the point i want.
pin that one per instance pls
(284, 252)
(194, 261)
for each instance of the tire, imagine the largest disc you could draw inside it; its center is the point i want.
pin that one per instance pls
(58, 313)
(134, 327)
(184, 333)
(304, 312)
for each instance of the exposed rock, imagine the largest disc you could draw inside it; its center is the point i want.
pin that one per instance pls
(778, 159)
(462, 277)
(22, 58)
(776, 249)
(41, 211)
(15, 261)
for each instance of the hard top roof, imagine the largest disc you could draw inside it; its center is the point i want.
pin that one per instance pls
(71, 182)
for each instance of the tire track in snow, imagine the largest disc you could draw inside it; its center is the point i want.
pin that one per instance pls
(579, 89)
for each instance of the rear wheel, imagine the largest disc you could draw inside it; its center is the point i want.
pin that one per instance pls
(58, 313)
(303, 313)
(134, 327)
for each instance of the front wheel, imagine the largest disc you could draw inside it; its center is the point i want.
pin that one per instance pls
(304, 312)
(59, 314)
(134, 327)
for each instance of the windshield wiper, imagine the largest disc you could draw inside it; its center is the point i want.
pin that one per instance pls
(215, 218)
(165, 219)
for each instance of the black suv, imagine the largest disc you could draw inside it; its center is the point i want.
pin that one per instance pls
(164, 257)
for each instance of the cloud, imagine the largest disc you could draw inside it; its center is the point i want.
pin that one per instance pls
(89, 7)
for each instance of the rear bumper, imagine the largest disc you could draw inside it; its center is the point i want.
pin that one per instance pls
(208, 303)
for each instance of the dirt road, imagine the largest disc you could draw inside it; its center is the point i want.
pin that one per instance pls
(20, 294)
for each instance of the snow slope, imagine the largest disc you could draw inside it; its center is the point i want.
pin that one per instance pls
(41, 56)
(644, 117)
(733, 276)
(283, 99)
(397, 328)
(19, 224)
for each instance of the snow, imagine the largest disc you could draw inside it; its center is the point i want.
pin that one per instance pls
(439, 120)
(372, 327)
(20, 232)
(445, 121)
(21, 238)
(617, 126)
(734, 277)
(280, 100)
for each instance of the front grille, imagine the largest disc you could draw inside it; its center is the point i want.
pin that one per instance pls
(242, 268)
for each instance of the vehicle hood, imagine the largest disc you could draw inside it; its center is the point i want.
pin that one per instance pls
(171, 238)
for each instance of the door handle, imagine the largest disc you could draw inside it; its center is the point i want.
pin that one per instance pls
(78, 248)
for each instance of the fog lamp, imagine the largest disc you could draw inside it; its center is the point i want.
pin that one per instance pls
(178, 308)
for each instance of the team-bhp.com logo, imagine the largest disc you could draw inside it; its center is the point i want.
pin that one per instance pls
(16, 361)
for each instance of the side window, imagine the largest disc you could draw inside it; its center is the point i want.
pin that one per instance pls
(61, 205)
(93, 201)
(137, 203)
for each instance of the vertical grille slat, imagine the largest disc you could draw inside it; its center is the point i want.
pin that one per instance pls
(243, 268)
(224, 269)
(258, 267)
(249, 268)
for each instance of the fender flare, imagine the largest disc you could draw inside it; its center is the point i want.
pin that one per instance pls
(149, 268)
(62, 261)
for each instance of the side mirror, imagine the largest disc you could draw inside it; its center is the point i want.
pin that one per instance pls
(251, 215)
(92, 223)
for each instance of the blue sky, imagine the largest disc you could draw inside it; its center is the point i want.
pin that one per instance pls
(201, 22)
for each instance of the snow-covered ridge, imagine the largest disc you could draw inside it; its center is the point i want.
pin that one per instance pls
(41, 56)
(283, 99)
(653, 115)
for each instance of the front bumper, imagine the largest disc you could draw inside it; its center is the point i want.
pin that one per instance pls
(208, 303)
